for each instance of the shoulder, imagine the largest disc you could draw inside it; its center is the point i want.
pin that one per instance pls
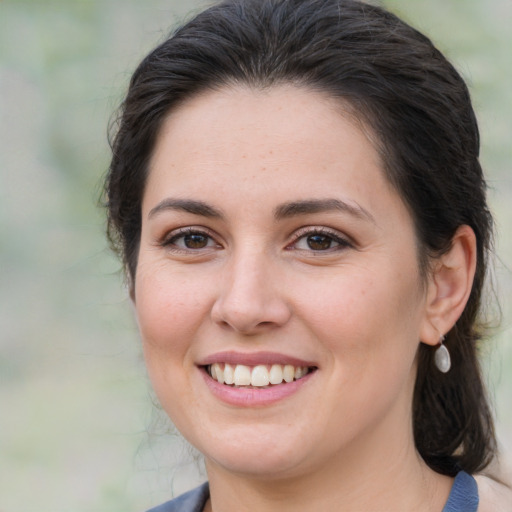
(494, 496)
(192, 501)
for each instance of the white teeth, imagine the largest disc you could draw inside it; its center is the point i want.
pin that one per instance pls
(229, 374)
(288, 373)
(242, 375)
(217, 373)
(257, 376)
(276, 374)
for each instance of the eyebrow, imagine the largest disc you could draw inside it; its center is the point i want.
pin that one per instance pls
(310, 206)
(186, 205)
(283, 211)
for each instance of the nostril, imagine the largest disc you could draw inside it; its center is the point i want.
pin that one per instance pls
(249, 302)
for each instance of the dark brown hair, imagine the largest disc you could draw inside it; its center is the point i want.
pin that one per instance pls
(413, 101)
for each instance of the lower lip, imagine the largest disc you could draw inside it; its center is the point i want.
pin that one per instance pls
(254, 397)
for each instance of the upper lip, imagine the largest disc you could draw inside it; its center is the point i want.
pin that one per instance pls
(254, 359)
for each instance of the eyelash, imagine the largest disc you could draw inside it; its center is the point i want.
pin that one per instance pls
(170, 242)
(333, 236)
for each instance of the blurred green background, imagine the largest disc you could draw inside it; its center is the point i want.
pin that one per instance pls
(78, 429)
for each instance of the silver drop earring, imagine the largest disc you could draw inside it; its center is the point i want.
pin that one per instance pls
(442, 357)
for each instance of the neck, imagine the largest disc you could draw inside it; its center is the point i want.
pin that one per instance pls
(370, 475)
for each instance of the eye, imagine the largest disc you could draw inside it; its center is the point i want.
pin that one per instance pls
(189, 239)
(319, 240)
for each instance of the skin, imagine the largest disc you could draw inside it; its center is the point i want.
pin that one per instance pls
(356, 309)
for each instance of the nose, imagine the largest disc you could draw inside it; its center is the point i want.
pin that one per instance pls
(251, 297)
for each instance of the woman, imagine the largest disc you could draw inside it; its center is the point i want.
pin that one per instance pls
(296, 195)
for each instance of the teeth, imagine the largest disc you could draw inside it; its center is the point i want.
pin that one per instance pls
(276, 374)
(299, 372)
(242, 375)
(288, 373)
(229, 374)
(217, 373)
(257, 376)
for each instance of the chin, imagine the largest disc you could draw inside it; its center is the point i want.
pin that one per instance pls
(256, 452)
(257, 465)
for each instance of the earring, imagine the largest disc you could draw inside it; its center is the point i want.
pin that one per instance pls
(442, 357)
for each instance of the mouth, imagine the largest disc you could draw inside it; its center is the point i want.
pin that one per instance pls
(258, 376)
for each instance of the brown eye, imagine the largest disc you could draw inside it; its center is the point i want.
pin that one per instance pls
(195, 241)
(319, 242)
(190, 240)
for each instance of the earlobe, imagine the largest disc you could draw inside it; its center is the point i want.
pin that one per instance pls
(449, 286)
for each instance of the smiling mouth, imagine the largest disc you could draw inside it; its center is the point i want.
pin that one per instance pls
(259, 376)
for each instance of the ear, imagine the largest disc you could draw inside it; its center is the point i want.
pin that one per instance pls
(449, 286)
(130, 284)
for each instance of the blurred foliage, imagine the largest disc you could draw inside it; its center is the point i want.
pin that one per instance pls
(73, 392)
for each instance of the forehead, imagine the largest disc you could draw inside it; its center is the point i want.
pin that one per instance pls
(275, 145)
(242, 122)
(257, 109)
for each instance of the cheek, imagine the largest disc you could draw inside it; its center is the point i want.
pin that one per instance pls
(169, 311)
(365, 316)
(169, 308)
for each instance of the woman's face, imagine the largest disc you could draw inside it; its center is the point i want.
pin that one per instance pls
(272, 243)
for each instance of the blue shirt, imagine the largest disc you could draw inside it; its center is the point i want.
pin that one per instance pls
(463, 498)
